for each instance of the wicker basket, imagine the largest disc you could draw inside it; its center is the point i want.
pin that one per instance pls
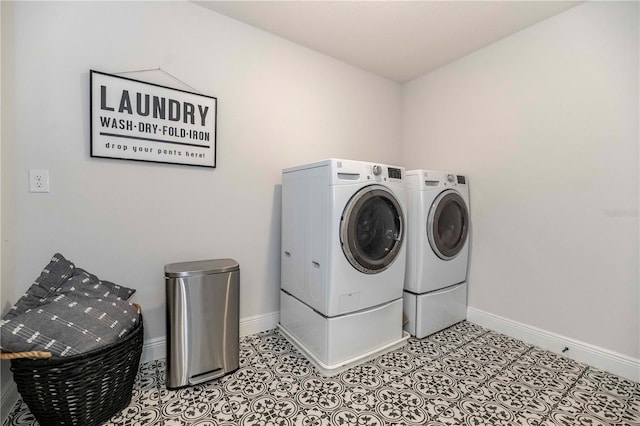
(81, 390)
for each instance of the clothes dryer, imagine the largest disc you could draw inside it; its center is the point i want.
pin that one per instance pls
(343, 260)
(435, 289)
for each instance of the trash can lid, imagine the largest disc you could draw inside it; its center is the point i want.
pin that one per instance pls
(200, 267)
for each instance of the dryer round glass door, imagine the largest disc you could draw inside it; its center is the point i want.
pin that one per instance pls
(448, 224)
(372, 229)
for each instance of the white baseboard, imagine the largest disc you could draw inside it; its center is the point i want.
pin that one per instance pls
(157, 348)
(153, 349)
(613, 362)
(259, 323)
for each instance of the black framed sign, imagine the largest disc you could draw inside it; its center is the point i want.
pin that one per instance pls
(135, 120)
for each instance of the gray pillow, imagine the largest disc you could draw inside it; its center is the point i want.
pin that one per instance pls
(52, 276)
(98, 287)
(68, 324)
(55, 278)
(55, 273)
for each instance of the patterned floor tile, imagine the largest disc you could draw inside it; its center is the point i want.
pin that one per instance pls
(20, 416)
(462, 376)
(365, 375)
(400, 406)
(270, 410)
(137, 415)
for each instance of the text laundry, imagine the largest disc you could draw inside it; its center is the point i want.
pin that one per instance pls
(146, 105)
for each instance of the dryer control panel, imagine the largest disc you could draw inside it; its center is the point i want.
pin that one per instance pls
(348, 172)
(385, 173)
(394, 173)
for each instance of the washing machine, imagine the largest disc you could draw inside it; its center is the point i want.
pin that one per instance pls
(435, 288)
(343, 260)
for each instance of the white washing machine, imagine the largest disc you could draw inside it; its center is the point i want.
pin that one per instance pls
(435, 288)
(343, 260)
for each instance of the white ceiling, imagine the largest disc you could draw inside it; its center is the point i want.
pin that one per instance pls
(399, 40)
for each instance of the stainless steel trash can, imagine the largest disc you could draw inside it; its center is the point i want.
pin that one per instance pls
(202, 320)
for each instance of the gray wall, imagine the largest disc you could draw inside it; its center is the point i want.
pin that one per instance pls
(279, 105)
(545, 123)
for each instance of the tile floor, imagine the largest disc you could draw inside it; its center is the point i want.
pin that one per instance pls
(465, 375)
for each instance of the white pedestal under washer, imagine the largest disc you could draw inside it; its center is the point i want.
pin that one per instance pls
(435, 288)
(343, 260)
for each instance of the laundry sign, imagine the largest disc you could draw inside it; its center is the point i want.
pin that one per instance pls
(135, 120)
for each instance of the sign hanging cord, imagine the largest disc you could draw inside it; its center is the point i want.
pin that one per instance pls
(167, 73)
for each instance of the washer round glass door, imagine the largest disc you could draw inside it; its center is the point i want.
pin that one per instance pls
(448, 224)
(372, 229)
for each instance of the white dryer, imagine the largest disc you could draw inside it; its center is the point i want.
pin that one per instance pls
(343, 260)
(435, 288)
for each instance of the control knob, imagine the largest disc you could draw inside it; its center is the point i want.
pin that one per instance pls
(377, 170)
